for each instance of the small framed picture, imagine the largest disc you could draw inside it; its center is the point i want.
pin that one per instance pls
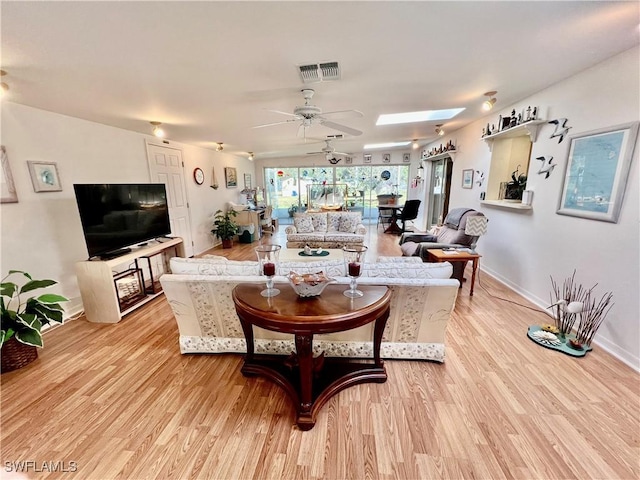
(44, 176)
(367, 158)
(386, 158)
(467, 178)
(348, 160)
(231, 177)
(247, 180)
(406, 158)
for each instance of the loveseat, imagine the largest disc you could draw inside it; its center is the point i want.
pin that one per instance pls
(326, 230)
(422, 299)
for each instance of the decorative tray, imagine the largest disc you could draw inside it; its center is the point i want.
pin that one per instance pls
(562, 345)
(323, 253)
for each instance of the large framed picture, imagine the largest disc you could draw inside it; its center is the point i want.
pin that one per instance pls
(467, 178)
(596, 172)
(44, 176)
(231, 177)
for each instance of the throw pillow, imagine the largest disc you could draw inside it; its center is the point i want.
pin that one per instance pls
(319, 221)
(303, 223)
(348, 223)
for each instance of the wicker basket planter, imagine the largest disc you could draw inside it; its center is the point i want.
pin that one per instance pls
(16, 355)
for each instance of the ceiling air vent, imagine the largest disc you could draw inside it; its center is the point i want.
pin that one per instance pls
(319, 72)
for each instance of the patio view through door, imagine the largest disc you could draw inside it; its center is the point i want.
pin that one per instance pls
(286, 187)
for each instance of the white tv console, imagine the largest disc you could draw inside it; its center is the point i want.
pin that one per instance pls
(97, 280)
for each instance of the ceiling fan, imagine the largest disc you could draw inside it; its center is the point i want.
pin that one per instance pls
(329, 152)
(309, 115)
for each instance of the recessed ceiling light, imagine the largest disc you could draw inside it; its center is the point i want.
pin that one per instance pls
(385, 145)
(412, 117)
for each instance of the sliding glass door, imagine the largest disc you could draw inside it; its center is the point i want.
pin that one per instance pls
(287, 187)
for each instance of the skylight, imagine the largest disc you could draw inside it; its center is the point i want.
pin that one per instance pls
(385, 145)
(412, 117)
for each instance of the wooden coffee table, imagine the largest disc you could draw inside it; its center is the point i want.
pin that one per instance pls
(439, 255)
(311, 382)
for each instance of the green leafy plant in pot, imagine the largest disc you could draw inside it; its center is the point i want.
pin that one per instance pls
(516, 186)
(22, 319)
(224, 227)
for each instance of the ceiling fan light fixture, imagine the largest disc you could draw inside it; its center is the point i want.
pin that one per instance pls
(439, 129)
(157, 130)
(415, 145)
(489, 102)
(219, 147)
(251, 156)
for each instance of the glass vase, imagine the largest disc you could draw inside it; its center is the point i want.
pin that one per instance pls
(268, 259)
(353, 263)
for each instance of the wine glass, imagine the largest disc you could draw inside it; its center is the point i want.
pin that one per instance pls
(268, 264)
(353, 260)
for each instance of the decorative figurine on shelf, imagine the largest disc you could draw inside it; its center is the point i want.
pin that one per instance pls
(488, 130)
(493, 128)
(484, 132)
(514, 120)
(535, 113)
(500, 122)
(528, 113)
(519, 118)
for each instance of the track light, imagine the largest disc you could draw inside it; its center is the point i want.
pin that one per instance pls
(251, 156)
(4, 88)
(415, 144)
(439, 129)
(219, 147)
(490, 102)
(157, 130)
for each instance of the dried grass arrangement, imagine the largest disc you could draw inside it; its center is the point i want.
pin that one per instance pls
(573, 302)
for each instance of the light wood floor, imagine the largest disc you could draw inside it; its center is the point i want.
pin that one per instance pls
(121, 402)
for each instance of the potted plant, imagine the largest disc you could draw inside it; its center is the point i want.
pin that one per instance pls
(516, 186)
(224, 227)
(22, 319)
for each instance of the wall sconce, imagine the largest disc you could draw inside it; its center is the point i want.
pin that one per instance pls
(219, 147)
(157, 130)
(251, 156)
(490, 102)
(4, 88)
(415, 144)
(439, 129)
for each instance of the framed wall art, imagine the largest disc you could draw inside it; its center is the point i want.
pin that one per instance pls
(44, 176)
(467, 178)
(386, 158)
(231, 177)
(367, 158)
(596, 172)
(7, 187)
(247, 180)
(406, 158)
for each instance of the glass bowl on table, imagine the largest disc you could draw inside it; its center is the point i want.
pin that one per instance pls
(309, 284)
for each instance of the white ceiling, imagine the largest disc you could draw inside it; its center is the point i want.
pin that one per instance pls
(210, 70)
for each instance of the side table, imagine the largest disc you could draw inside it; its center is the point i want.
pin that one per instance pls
(309, 381)
(439, 255)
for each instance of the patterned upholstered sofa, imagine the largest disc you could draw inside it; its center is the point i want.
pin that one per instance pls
(199, 293)
(326, 230)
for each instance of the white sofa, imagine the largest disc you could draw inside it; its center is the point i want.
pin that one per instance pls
(326, 230)
(199, 293)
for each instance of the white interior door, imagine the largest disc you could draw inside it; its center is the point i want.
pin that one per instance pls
(166, 166)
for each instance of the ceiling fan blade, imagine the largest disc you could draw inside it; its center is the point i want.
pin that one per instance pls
(341, 128)
(344, 114)
(274, 123)
(282, 113)
(342, 153)
(315, 153)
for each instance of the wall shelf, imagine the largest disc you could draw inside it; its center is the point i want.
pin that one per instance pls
(506, 204)
(440, 156)
(529, 128)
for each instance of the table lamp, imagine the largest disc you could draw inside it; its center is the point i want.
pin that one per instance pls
(476, 226)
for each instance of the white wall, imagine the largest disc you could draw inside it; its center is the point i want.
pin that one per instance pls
(523, 249)
(42, 233)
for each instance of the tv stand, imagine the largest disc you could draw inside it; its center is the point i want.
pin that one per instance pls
(114, 253)
(97, 280)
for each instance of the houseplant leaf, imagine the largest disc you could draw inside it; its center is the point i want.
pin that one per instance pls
(35, 284)
(30, 333)
(8, 289)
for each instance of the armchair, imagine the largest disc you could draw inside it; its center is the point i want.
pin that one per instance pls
(450, 235)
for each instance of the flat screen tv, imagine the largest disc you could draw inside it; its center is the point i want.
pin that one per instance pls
(116, 216)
